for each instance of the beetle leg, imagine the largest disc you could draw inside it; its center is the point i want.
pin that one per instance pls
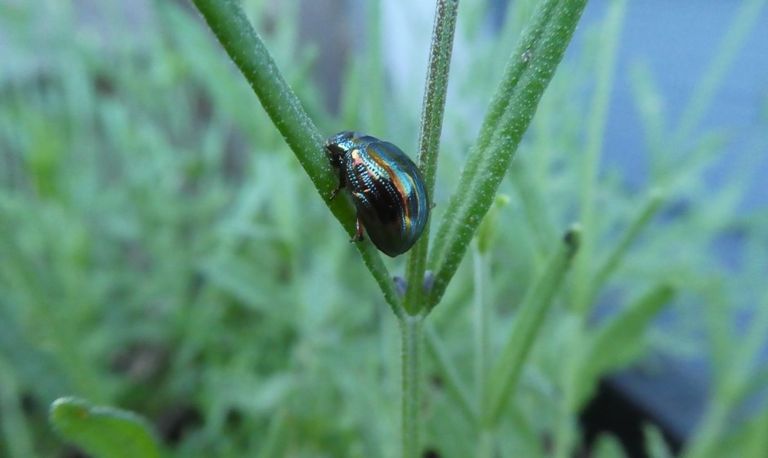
(358, 231)
(335, 192)
(358, 224)
(338, 188)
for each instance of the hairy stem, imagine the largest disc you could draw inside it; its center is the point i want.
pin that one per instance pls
(411, 328)
(429, 136)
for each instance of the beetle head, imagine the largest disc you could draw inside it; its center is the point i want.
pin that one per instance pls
(340, 144)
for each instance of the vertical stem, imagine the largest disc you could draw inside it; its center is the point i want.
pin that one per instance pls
(429, 136)
(596, 124)
(484, 446)
(453, 383)
(528, 73)
(481, 329)
(739, 30)
(411, 329)
(563, 436)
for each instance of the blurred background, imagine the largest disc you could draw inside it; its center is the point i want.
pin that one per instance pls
(162, 251)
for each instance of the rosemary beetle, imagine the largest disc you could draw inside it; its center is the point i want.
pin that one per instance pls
(386, 188)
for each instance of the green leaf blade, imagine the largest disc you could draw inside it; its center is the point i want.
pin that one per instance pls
(103, 432)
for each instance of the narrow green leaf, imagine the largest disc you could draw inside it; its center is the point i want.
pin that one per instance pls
(528, 73)
(103, 432)
(506, 372)
(244, 46)
(617, 342)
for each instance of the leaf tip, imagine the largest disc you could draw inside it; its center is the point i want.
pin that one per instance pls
(67, 407)
(572, 238)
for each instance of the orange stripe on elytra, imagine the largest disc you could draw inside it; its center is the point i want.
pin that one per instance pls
(395, 177)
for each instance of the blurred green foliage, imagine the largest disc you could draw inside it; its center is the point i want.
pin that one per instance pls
(162, 251)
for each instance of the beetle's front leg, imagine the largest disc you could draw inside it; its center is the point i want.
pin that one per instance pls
(335, 192)
(341, 184)
(358, 231)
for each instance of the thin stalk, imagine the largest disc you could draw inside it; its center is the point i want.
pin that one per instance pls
(246, 49)
(411, 328)
(482, 347)
(739, 30)
(453, 384)
(732, 389)
(429, 136)
(590, 358)
(563, 436)
(616, 255)
(481, 327)
(538, 299)
(277, 436)
(606, 65)
(529, 72)
(436, 89)
(13, 424)
(485, 444)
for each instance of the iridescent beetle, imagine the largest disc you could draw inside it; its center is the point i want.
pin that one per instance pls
(386, 187)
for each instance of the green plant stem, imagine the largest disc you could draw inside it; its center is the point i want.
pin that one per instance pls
(429, 136)
(277, 435)
(528, 73)
(597, 120)
(485, 444)
(563, 436)
(592, 356)
(506, 372)
(454, 386)
(244, 46)
(732, 387)
(738, 31)
(616, 255)
(482, 325)
(411, 328)
(482, 345)
(13, 424)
